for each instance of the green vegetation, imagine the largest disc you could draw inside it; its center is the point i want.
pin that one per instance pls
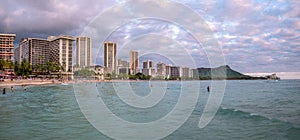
(223, 72)
(123, 76)
(84, 73)
(6, 64)
(24, 69)
(139, 76)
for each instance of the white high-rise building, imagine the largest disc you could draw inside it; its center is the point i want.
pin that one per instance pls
(187, 72)
(161, 69)
(148, 68)
(61, 51)
(83, 52)
(33, 50)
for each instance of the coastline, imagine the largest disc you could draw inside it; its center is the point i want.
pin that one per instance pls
(27, 82)
(37, 82)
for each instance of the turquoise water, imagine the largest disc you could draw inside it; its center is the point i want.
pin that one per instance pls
(249, 110)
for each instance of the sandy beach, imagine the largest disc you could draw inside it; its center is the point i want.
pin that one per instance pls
(27, 82)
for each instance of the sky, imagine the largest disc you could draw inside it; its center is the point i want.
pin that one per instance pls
(254, 36)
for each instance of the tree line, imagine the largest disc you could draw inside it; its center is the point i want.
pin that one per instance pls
(25, 69)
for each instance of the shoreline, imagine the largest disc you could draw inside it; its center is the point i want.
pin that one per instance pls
(32, 82)
(27, 82)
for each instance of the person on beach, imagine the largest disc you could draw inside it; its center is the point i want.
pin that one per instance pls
(3, 91)
(12, 89)
(208, 89)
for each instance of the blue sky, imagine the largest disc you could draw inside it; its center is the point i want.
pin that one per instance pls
(255, 35)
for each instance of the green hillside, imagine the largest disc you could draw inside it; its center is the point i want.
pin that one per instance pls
(222, 72)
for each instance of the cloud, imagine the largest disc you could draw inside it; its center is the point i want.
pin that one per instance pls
(49, 17)
(256, 36)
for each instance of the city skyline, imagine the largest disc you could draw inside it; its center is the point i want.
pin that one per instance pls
(256, 36)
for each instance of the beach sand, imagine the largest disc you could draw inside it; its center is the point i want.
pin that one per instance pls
(27, 82)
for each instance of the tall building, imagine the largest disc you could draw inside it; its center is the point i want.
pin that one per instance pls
(34, 50)
(147, 64)
(18, 54)
(176, 71)
(123, 67)
(7, 46)
(83, 52)
(61, 51)
(187, 72)
(110, 57)
(161, 69)
(168, 71)
(195, 73)
(134, 62)
(148, 68)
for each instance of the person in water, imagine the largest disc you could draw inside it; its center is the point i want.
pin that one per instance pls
(12, 89)
(208, 89)
(3, 90)
(24, 87)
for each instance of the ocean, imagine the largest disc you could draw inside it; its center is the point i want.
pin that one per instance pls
(250, 109)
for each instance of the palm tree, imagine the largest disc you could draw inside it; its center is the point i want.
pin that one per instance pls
(37, 68)
(43, 68)
(50, 67)
(25, 68)
(59, 67)
(2, 64)
(11, 64)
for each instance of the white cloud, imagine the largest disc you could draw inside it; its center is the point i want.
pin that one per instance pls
(251, 32)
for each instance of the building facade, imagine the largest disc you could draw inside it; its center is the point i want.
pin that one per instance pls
(110, 57)
(148, 68)
(161, 70)
(187, 72)
(123, 67)
(33, 50)
(83, 52)
(134, 61)
(168, 71)
(176, 71)
(7, 46)
(61, 51)
(18, 54)
(195, 73)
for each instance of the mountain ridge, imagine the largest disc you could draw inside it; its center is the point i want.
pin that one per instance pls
(223, 72)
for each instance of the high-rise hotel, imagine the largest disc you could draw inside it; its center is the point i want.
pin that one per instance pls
(61, 51)
(134, 62)
(33, 50)
(7, 46)
(83, 52)
(148, 68)
(110, 57)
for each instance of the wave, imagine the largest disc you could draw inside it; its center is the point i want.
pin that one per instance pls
(241, 113)
(293, 133)
(255, 116)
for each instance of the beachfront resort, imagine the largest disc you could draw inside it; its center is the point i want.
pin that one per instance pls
(52, 59)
